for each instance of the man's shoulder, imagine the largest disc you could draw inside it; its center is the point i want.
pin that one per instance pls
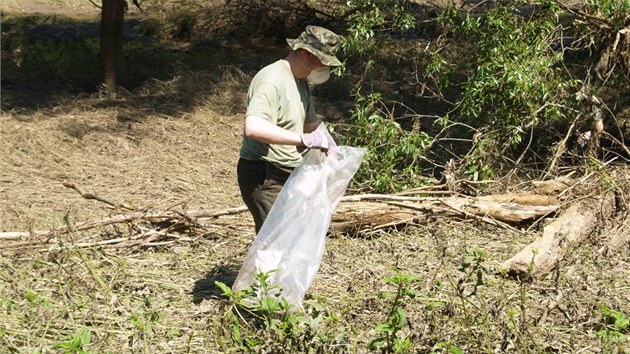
(274, 72)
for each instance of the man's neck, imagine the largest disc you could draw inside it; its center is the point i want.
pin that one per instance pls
(298, 66)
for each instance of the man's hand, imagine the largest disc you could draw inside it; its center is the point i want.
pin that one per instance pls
(315, 140)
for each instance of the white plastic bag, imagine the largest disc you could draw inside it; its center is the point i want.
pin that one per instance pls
(291, 241)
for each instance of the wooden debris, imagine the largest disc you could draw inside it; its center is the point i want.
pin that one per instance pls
(372, 211)
(152, 217)
(563, 234)
(354, 214)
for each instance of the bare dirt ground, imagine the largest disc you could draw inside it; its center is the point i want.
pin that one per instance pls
(162, 297)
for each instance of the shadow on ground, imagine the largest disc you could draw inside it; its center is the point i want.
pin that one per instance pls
(206, 288)
(52, 62)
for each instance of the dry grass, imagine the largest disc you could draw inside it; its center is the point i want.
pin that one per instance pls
(153, 162)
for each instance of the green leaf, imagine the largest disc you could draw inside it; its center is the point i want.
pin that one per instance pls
(386, 294)
(84, 336)
(455, 350)
(401, 318)
(376, 343)
(227, 291)
(384, 327)
(622, 323)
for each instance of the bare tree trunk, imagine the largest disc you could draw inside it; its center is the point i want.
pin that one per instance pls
(112, 60)
(563, 234)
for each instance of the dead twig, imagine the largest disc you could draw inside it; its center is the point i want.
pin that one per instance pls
(94, 196)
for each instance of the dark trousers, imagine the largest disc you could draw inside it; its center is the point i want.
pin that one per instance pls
(260, 183)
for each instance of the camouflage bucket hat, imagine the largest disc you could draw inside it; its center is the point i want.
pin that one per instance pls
(320, 42)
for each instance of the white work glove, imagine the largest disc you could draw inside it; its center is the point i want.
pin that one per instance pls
(315, 140)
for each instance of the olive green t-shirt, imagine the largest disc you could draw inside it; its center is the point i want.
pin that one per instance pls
(277, 96)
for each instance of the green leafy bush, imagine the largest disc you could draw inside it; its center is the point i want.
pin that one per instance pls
(392, 161)
(516, 81)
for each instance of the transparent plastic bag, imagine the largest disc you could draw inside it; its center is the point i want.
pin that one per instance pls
(291, 241)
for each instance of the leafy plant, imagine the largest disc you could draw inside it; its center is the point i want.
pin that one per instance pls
(68, 61)
(392, 161)
(144, 321)
(515, 80)
(390, 340)
(473, 266)
(370, 16)
(260, 318)
(614, 327)
(445, 347)
(76, 344)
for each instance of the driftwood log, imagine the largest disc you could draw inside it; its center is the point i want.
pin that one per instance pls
(376, 211)
(574, 225)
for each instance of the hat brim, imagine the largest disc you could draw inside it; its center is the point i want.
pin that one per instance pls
(326, 59)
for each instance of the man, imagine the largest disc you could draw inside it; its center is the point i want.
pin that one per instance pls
(281, 118)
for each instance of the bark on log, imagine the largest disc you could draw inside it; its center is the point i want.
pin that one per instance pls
(563, 234)
(507, 208)
(620, 238)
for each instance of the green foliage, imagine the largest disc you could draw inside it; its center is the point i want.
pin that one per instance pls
(62, 54)
(391, 341)
(613, 329)
(474, 269)
(370, 16)
(260, 319)
(76, 344)
(516, 79)
(368, 20)
(144, 321)
(514, 70)
(392, 161)
(445, 347)
(66, 59)
(614, 11)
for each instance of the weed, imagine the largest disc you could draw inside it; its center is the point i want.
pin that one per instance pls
(144, 321)
(473, 266)
(76, 344)
(475, 313)
(445, 347)
(390, 340)
(260, 318)
(613, 329)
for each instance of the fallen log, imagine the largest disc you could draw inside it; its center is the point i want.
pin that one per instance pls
(559, 237)
(373, 211)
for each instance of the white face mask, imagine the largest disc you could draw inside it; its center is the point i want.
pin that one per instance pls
(319, 76)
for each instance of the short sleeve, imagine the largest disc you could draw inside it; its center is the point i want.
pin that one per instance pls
(263, 102)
